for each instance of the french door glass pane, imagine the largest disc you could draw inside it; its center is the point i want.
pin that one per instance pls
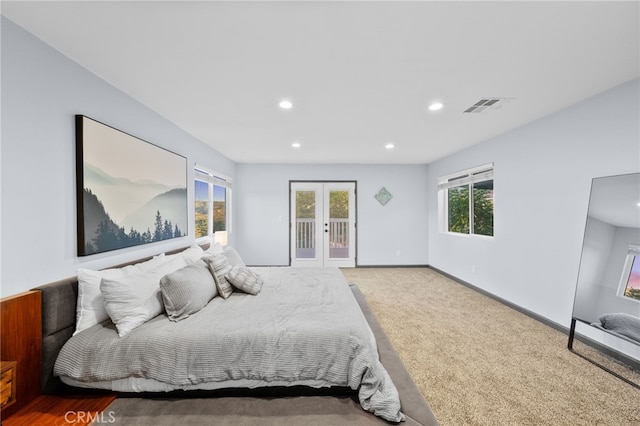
(305, 224)
(338, 224)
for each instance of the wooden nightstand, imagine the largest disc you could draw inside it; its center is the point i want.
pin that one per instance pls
(60, 410)
(8, 384)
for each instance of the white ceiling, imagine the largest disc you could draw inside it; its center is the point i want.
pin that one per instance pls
(360, 74)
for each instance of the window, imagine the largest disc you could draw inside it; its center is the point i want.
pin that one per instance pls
(466, 201)
(202, 208)
(630, 280)
(212, 205)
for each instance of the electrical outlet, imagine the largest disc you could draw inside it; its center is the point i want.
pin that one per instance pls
(473, 269)
(398, 253)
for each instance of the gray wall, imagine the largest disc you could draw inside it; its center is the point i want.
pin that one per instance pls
(543, 174)
(261, 197)
(42, 90)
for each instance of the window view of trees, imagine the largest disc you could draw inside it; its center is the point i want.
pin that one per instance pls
(469, 201)
(633, 293)
(305, 223)
(202, 218)
(305, 204)
(458, 202)
(339, 204)
(219, 208)
(201, 209)
(459, 208)
(483, 208)
(210, 206)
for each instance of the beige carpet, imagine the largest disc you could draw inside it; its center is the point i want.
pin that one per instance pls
(479, 362)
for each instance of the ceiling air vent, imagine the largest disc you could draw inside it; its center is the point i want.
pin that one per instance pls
(487, 104)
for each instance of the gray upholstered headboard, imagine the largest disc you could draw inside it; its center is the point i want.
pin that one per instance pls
(58, 324)
(59, 301)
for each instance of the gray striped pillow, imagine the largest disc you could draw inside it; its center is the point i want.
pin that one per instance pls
(219, 267)
(245, 279)
(187, 290)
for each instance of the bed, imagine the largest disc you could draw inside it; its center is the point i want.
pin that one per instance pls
(305, 328)
(620, 324)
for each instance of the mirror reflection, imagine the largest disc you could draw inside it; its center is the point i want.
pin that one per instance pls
(608, 289)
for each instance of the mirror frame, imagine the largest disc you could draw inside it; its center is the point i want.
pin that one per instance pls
(598, 210)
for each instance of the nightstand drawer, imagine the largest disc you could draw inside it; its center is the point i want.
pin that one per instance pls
(8, 383)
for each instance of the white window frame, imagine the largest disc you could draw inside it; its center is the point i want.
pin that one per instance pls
(632, 252)
(213, 178)
(468, 177)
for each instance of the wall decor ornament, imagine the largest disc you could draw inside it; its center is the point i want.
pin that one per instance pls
(129, 192)
(383, 196)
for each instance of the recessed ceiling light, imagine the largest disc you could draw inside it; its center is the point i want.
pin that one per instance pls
(285, 104)
(435, 106)
(296, 145)
(390, 145)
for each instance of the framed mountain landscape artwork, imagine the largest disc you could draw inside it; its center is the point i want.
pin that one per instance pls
(129, 191)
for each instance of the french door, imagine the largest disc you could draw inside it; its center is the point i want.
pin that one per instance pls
(323, 224)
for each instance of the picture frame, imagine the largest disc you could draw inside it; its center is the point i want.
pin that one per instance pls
(128, 191)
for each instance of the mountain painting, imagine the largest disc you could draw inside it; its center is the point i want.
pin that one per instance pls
(130, 192)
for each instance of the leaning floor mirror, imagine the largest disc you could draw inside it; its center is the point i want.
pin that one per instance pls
(607, 300)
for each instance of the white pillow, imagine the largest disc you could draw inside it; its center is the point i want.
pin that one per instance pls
(187, 290)
(134, 299)
(191, 254)
(90, 307)
(214, 249)
(233, 257)
(244, 279)
(219, 266)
